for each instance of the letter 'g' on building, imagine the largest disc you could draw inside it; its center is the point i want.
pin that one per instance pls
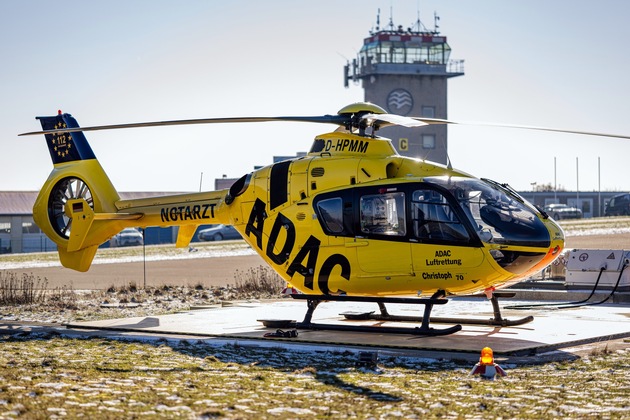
(403, 144)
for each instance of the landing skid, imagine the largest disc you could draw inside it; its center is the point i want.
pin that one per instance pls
(314, 300)
(437, 299)
(497, 320)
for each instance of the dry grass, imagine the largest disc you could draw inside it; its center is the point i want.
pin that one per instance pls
(259, 280)
(21, 290)
(26, 298)
(47, 376)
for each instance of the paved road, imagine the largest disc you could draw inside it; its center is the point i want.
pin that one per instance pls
(217, 271)
(607, 241)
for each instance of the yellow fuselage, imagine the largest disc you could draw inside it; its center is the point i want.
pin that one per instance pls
(281, 211)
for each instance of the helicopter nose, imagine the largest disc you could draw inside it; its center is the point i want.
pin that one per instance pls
(557, 240)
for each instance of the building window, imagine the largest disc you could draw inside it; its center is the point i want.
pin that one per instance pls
(428, 141)
(5, 226)
(29, 226)
(428, 111)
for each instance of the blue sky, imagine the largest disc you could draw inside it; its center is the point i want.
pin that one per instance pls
(561, 64)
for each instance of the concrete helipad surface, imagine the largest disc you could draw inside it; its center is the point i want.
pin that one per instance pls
(551, 328)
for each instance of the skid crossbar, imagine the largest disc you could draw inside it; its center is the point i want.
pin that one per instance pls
(424, 329)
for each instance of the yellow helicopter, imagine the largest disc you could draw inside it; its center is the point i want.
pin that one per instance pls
(352, 220)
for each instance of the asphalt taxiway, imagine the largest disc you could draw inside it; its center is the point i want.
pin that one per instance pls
(551, 330)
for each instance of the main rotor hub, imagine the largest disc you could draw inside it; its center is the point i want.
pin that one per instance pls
(355, 112)
(361, 107)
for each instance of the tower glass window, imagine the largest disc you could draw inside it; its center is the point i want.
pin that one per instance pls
(388, 47)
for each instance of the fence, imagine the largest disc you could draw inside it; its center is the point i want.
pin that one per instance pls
(38, 242)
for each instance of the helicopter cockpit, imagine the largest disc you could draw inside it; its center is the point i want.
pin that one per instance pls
(453, 211)
(498, 214)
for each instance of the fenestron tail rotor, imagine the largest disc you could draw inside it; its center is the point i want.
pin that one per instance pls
(66, 189)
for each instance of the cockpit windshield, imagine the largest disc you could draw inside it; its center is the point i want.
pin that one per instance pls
(499, 214)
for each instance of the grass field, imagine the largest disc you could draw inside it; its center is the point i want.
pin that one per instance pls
(48, 376)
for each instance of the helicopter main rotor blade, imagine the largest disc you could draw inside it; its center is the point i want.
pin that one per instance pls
(380, 120)
(438, 121)
(326, 119)
(393, 119)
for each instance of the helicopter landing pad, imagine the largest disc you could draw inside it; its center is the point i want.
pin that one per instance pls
(551, 328)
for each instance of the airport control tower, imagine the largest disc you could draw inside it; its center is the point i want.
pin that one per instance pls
(406, 71)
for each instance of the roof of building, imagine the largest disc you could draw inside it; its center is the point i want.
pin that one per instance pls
(17, 202)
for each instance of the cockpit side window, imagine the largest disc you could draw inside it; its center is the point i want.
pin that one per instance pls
(331, 213)
(434, 219)
(383, 214)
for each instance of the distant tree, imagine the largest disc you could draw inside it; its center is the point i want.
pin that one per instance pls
(547, 187)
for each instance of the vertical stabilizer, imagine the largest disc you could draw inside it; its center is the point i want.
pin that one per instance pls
(65, 147)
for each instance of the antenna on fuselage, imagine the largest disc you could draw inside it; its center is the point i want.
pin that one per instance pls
(449, 164)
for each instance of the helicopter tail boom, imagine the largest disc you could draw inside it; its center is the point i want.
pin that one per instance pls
(78, 207)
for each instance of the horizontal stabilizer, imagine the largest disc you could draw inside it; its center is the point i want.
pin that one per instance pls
(118, 216)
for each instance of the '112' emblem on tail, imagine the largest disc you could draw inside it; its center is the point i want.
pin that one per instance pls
(65, 147)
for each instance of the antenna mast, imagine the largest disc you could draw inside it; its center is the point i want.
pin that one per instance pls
(391, 18)
(418, 26)
(436, 19)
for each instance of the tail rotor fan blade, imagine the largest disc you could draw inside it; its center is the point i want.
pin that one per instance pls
(66, 189)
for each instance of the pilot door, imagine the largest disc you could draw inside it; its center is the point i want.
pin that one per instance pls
(445, 247)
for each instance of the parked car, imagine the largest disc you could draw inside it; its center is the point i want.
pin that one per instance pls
(127, 237)
(562, 211)
(218, 233)
(619, 205)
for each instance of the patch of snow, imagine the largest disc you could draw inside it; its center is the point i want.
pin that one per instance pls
(214, 252)
(596, 231)
(294, 410)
